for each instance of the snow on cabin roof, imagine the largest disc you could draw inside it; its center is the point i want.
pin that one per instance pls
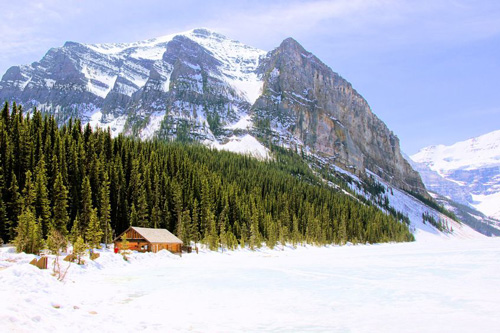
(157, 235)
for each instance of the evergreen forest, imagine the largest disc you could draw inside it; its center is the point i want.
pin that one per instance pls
(85, 185)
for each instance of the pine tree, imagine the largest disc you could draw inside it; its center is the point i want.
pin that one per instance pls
(4, 222)
(61, 218)
(183, 231)
(156, 216)
(133, 218)
(29, 234)
(142, 209)
(76, 230)
(212, 237)
(105, 210)
(222, 226)
(177, 202)
(195, 223)
(56, 242)
(205, 207)
(342, 231)
(124, 247)
(79, 248)
(14, 205)
(29, 194)
(86, 207)
(42, 202)
(94, 233)
(272, 237)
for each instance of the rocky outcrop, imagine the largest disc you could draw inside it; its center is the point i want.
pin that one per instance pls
(304, 100)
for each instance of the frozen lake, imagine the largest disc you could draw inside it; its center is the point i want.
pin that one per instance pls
(451, 286)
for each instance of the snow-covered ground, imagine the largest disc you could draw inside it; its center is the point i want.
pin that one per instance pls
(445, 285)
(246, 145)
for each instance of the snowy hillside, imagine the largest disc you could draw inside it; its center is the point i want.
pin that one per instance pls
(414, 209)
(472, 165)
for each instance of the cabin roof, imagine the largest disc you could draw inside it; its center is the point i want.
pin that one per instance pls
(155, 235)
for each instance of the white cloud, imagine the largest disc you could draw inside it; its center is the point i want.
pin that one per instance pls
(374, 23)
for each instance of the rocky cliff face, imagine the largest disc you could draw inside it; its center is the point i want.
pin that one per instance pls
(199, 85)
(305, 102)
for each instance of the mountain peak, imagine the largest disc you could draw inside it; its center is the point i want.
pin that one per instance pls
(291, 44)
(478, 152)
(473, 164)
(205, 32)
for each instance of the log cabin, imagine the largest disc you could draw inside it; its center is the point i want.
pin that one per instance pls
(149, 240)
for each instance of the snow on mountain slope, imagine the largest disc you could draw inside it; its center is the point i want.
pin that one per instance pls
(472, 154)
(414, 209)
(239, 61)
(246, 145)
(188, 76)
(489, 204)
(472, 165)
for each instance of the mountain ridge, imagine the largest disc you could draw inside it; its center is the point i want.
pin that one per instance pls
(197, 84)
(473, 168)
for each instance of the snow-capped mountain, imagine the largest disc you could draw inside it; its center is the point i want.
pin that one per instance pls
(201, 86)
(467, 172)
(193, 77)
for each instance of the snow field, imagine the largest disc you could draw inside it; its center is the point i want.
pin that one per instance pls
(246, 145)
(488, 204)
(470, 154)
(446, 285)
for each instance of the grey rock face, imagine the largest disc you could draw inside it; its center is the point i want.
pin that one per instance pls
(306, 100)
(195, 84)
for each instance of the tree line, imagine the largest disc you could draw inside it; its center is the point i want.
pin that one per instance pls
(82, 183)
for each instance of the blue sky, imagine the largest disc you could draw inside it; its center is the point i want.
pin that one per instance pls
(430, 69)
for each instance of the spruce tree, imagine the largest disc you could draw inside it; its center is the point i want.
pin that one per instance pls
(105, 210)
(4, 222)
(79, 248)
(14, 205)
(86, 207)
(29, 194)
(61, 218)
(42, 202)
(177, 202)
(142, 209)
(182, 227)
(133, 217)
(94, 233)
(29, 234)
(195, 223)
(212, 238)
(76, 230)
